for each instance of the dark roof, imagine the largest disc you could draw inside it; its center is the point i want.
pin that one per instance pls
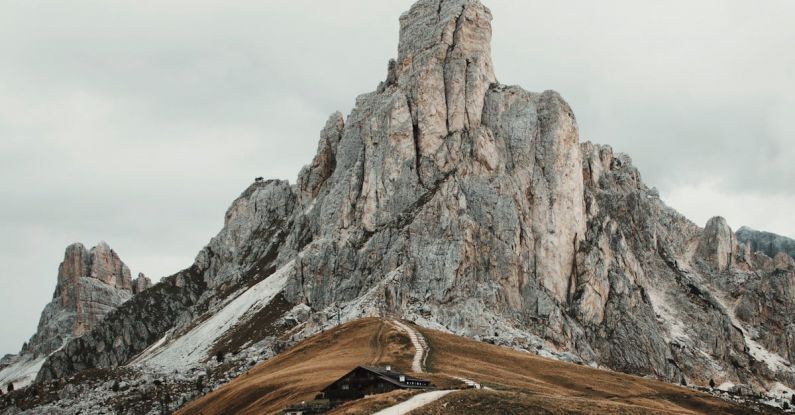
(394, 377)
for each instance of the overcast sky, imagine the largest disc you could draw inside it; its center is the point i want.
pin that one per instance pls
(138, 122)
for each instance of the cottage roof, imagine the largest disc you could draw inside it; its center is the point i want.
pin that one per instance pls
(392, 377)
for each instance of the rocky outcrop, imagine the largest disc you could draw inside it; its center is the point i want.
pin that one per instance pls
(768, 243)
(718, 245)
(141, 284)
(91, 284)
(464, 204)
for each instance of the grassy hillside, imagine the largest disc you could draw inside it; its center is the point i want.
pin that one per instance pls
(523, 383)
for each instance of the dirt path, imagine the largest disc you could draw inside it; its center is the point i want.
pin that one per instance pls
(420, 346)
(415, 402)
(378, 345)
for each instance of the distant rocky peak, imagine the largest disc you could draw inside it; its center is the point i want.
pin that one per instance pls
(141, 284)
(100, 263)
(718, 246)
(767, 243)
(91, 284)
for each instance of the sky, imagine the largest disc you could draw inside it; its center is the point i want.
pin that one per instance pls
(139, 122)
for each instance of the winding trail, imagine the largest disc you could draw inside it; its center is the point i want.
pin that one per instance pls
(420, 346)
(415, 402)
(378, 345)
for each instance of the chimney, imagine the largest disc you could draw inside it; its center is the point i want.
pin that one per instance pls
(389, 368)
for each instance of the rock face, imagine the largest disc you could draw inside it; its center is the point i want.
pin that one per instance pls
(467, 205)
(91, 284)
(141, 284)
(718, 245)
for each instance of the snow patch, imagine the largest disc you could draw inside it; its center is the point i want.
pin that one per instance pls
(191, 349)
(150, 351)
(674, 326)
(21, 373)
(780, 391)
(774, 361)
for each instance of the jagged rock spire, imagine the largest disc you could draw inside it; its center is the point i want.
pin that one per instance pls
(444, 66)
(91, 283)
(718, 245)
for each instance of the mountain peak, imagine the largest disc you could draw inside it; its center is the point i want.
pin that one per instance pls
(463, 26)
(91, 283)
(444, 67)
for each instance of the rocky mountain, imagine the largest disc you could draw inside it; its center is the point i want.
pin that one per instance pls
(468, 206)
(768, 243)
(91, 284)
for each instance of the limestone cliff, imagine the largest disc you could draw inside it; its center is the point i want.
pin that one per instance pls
(91, 283)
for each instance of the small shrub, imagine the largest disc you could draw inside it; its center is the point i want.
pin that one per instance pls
(115, 387)
(219, 357)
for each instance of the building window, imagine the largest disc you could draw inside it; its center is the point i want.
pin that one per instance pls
(345, 387)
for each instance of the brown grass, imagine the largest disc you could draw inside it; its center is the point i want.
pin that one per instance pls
(523, 383)
(301, 372)
(528, 381)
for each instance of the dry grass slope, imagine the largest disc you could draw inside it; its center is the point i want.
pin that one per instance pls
(523, 383)
(299, 373)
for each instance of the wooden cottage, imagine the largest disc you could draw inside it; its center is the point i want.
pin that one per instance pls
(367, 380)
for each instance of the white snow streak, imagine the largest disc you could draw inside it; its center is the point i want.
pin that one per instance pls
(773, 361)
(150, 351)
(675, 326)
(192, 348)
(21, 373)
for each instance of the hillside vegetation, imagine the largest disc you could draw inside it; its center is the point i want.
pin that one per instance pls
(521, 382)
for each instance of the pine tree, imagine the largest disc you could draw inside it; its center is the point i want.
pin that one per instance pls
(712, 383)
(10, 387)
(793, 399)
(220, 357)
(683, 382)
